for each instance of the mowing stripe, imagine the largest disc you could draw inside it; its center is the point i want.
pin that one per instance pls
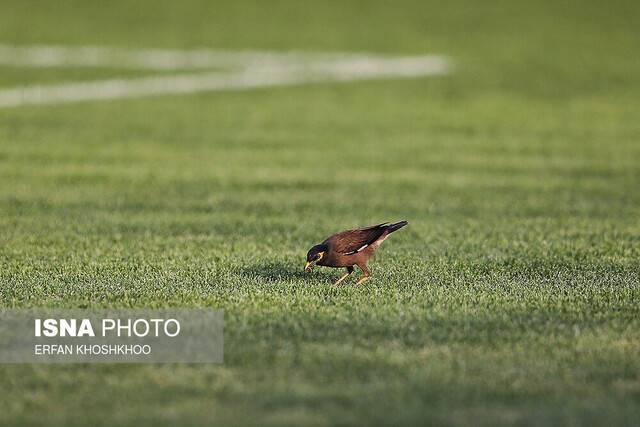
(247, 70)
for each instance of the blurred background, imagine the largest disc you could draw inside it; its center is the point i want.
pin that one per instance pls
(510, 299)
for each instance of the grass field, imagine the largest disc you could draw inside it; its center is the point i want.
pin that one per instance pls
(512, 298)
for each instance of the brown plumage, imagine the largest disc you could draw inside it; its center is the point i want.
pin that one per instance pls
(349, 248)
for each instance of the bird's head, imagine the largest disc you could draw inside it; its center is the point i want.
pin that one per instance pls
(314, 255)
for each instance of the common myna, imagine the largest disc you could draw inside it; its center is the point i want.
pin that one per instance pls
(349, 248)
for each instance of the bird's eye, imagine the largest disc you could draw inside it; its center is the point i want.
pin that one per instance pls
(319, 257)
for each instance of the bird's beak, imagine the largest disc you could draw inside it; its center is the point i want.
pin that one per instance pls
(308, 267)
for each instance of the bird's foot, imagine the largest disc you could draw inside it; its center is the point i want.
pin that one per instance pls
(362, 280)
(341, 279)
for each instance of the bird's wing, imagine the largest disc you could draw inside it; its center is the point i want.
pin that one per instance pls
(353, 241)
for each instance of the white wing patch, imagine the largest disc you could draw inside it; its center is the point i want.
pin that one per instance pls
(357, 250)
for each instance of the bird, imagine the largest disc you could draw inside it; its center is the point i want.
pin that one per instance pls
(349, 248)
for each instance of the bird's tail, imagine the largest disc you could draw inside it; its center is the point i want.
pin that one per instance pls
(396, 226)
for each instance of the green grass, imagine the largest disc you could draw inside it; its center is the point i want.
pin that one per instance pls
(513, 296)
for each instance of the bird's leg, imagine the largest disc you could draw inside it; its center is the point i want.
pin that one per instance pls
(367, 274)
(344, 276)
(362, 280)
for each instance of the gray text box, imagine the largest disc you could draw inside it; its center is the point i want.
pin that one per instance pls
(111, 335)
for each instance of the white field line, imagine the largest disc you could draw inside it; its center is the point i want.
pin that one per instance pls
(48, 56)
(249, 71)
